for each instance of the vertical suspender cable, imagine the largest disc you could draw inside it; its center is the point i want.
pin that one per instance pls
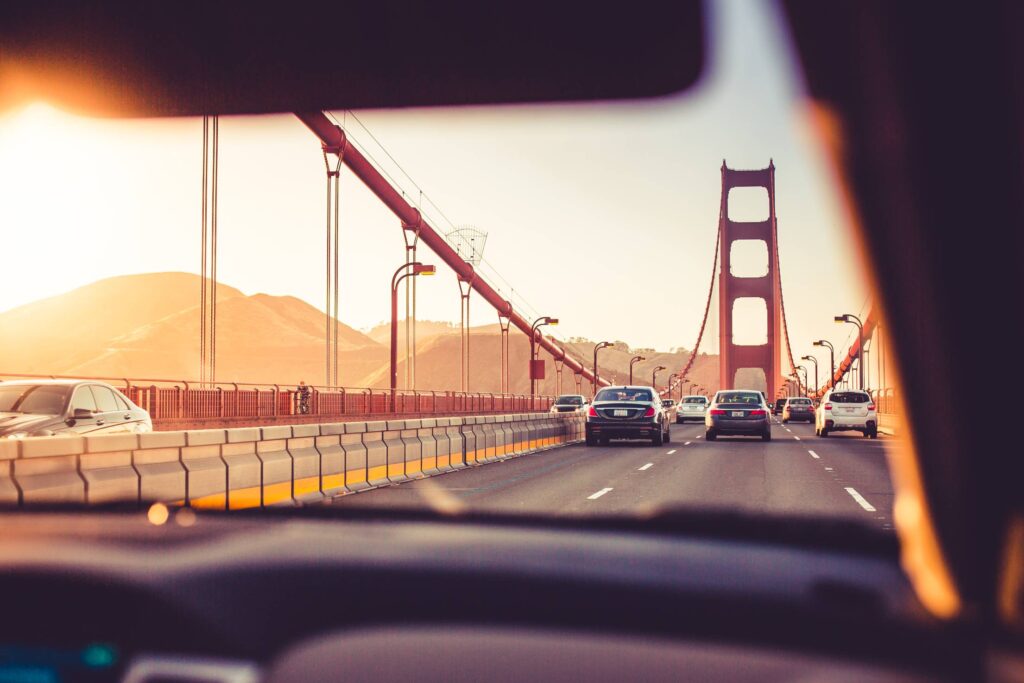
(337, 207)
(213, 252)
(202, 279)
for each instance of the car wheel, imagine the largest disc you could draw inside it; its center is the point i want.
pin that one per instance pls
(679, 420)
(785, 421)
(823, 433)
(604, 440)
(658, 438)
(767, 436)
(710, 435)
(591, 440)
(873, 434)
(668, 434)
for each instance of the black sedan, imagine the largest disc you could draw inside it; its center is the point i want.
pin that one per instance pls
(738, 412)
(627, 412)
(50, 407)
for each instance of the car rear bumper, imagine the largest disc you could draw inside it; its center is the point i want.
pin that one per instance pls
(838, 423)
(622, 430)
(808, 416)
(723, 425)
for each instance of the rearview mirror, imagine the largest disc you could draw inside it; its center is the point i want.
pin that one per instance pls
(771, 405)
(82, 414)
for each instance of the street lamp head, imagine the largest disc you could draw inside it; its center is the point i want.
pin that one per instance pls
(820, 342)
(423, 269)
(842, 318)
(552, 321)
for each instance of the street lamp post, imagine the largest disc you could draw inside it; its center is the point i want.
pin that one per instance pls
(850, 318)
(539, 322)
(410, 269)
(654, 376)
(832, 357)
(598, 347)
(815, 361)
(632, 361)
(807, 386)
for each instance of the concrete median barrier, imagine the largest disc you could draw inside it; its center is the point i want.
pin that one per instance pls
(158, 463)
(263, 466)
(376, 453)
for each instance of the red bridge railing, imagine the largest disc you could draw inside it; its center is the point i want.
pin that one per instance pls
(182, 403)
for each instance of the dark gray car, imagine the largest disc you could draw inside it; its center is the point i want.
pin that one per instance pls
(51, 407)
(738, 412)
(627, 412)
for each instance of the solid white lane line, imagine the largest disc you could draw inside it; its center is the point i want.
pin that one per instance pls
(828, 469)
(671, 452)
(646, 467)
(687, 443)
(595, 496)
(860, 499)
(814, 455)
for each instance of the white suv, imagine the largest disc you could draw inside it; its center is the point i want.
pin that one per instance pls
(691, 408)
(846, 411)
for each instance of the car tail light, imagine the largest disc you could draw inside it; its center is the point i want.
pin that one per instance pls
(650, 412)
(756, 413)
(717, 411)
(592, 412)
(828, 406)
(871, 406)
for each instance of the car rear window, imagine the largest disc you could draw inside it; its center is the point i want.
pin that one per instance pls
(850, 397)
(695, 399)
(749, 398)
(624, 395)
(569, 401)
(800, 401)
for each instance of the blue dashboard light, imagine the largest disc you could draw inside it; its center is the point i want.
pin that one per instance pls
(99, 656)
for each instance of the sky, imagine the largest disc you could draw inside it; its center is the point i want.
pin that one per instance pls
(603, 215)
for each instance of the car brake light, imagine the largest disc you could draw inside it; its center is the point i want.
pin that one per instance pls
(592, 412)
(871, 406)
(828, 406)
(650, 412)
(756, 413)
(717, 411)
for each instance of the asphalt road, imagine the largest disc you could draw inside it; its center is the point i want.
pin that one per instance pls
(797, 473)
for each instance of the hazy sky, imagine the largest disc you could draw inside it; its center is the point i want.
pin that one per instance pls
(602, 215)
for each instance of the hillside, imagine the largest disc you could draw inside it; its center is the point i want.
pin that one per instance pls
(153, 331)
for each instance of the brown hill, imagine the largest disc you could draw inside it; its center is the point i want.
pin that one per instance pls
(153, 331)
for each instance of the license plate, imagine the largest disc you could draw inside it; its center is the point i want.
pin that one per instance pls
(737, 413)
(620, 413)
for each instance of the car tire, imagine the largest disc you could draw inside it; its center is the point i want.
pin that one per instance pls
(658, 438)
(823, 433)
(785, 421)
(668, 434)
(591, 441)
(604, 441)
(710, 435)
(873, 434)
(767, 435)
(679, 420)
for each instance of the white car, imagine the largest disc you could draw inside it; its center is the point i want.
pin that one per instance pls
(570, 403)
(691, 408)
(846, 411)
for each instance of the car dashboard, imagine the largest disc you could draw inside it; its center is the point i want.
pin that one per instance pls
(108, 596)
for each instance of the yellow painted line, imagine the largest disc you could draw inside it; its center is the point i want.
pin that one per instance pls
(378, 472)
(275, 493)
(334, 481)
(444, 460)
(211, 502)
(413, 466)
(395, 469)
(307, 485)
(248, 497)
(429, 463)
(355, 476)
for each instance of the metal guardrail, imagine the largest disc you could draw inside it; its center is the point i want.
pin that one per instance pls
(177, 400)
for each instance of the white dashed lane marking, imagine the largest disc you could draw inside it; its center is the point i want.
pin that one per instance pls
(814, 455)
(671, 452)
(595, 496)
(860, 499)
(648, 465)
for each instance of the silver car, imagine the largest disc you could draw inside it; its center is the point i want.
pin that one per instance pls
(691, 408)
(52, 407)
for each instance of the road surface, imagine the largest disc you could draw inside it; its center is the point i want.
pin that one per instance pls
(796, 473)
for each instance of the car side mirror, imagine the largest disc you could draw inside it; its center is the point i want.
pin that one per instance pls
(771, 405)
(82, 414)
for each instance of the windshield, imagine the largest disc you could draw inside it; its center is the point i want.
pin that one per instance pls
(37, 399)
(799, 402)
(228, 283)
(624, 395)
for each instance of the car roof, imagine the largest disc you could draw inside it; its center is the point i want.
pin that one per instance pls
(59, 382)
